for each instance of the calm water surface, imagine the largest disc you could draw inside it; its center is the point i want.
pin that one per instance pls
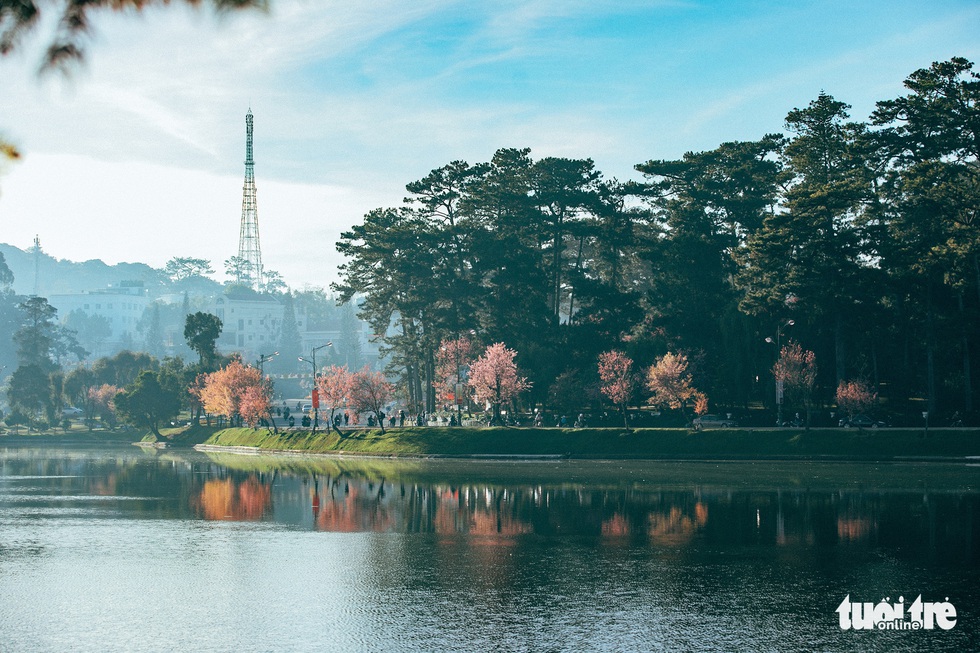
(125, 550)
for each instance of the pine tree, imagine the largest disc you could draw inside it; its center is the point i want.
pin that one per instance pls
(290, 342)
(153, 342)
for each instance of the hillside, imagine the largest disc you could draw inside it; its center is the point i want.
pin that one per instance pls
(57, 276)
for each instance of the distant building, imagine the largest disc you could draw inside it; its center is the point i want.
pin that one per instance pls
(252, 324)
(122, 306)
(354, 349)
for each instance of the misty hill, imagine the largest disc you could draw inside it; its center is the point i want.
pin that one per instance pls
(59, 276)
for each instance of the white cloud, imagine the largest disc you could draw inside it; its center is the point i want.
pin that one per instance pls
(151, 113)
(139, 155)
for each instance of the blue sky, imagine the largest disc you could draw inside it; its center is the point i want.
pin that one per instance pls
(138, 156)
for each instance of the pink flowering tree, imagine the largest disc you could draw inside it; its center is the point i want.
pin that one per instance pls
(619, 380)
(493, 377)
(370, 391)
(855, 397)
(238, 392)
(336, 386)
(254, 403)
(101, 399)
(672, 386)
(796, 369)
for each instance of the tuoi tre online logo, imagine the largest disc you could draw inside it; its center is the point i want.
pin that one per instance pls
(919, 615)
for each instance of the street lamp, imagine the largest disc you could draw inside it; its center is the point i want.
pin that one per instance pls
(779, 382)
(313, 351)
(266, 357)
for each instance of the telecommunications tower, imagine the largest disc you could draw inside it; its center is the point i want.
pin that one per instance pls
(249, 269)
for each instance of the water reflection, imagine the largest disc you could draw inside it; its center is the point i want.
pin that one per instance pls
(246, 500)
(666, 505)
(936, 524)
(940, 523)
(400, 555)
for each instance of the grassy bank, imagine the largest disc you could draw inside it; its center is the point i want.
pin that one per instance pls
(884, 444)
(186, 436)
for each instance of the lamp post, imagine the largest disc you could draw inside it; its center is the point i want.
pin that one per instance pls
(779, 382)
(263, 358)
(312, 361)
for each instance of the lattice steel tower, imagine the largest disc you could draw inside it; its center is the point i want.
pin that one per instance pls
(249, 249)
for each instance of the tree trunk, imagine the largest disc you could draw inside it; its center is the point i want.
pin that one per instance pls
(840, 355)
(411, 379)
(976, 266)
(495, 419)
(430, 390)
(808, 406)
(930, 352)
(906, 378)
(558, 243)
(967, 382)
(578, 267)
(874, 366)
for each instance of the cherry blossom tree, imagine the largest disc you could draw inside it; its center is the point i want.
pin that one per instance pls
(101, 399)
(671, 385)
(238, 392)
(796, 369)
(253, 404)
(370, 391)
(855, 397)
(619, 380)
(493, 377)
(336, 385)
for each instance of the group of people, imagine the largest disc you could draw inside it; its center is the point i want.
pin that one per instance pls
(561, 422)
(393, 419)
(422, 418)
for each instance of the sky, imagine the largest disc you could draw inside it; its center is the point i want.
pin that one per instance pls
(138, 155)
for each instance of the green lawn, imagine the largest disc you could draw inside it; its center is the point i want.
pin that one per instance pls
(883, 444)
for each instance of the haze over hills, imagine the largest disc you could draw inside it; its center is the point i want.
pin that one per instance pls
(61, 276)
(111, 308)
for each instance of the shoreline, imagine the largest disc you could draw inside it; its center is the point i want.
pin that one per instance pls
(502, 443)
(959, 446)
(489, 457)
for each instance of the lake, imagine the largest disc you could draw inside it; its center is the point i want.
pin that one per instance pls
(120, 549)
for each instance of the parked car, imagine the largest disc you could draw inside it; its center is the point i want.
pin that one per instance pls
(714, 422)
(72, 411)
(863, 422)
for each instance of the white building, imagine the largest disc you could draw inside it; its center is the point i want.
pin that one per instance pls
(122, 306)
(252, 325)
